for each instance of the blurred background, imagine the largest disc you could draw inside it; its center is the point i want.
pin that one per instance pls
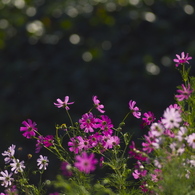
(115, 49)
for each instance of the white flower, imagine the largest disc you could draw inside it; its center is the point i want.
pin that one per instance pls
(9, 153)
(6, 178)
(42, 162)
(17, 166)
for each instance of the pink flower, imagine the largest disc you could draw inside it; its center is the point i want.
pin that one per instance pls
(97, 104)
(148, 146)
(172, 118)
(95, 139)
(29, 128)
(83, 143)
(74, 143)
(63, 104)
(191, 140)
(85, 163)
(183, 59)
(139, 173)
(110, 141)
(105, 124)
(88, 122)
(176, 107)
(39, 144)
(185, 92)
(134, 109)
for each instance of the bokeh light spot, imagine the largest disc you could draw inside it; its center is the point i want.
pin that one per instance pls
(152, 68)
(87, 56)
(149, 16)
(166, 61)
(31, 11)
(188, 9)
(74, 39)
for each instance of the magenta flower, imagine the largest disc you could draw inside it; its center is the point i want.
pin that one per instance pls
(135, 153)
(97, 104)
(95, 139)
(134, 109)
(85, 163)
(88, 122)
(185, 92)
(105, 124)
(172, 118)
(63, 104)
(182, 59)
(148, 118)
(30, 129)
(66, 169)
(48, 141)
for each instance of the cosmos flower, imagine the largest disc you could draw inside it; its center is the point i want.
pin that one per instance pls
(63, 104)
(182, 59)
(85, 163)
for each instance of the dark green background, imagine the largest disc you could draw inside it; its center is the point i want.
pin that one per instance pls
(36, 68)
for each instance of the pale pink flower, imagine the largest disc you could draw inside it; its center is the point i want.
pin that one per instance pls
(85, 163)
(191, 140)
(63, 104)
(171, 118)
(156, 129)
(135, 110)
(181, 133)
(97, 104)
(185, 92)
(182, 59)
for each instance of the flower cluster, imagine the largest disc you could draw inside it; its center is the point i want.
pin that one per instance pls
(17, 167)
(93, 144)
